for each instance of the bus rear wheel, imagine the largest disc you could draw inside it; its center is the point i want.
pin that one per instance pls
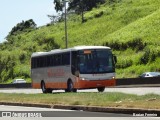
(101, 89)
(44, 89)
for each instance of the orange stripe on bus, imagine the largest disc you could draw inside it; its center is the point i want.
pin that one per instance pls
(80, 84)
(95, 83)
(56, 85)
(36, 85)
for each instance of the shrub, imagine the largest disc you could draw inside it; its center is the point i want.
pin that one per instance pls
(99, 14)
(50, 43)
(137, 43)
(124, 63)
(22, 57)
(150, 54)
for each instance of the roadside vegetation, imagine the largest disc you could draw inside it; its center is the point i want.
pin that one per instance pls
(129, 27)
(149, 101)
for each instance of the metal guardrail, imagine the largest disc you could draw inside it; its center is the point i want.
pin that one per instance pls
(18, 85)
(138, 81)
(119, 82)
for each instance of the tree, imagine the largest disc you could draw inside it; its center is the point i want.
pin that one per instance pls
(86, 5)
(29, 24)
(20, 27)
(79, 6)
(55, 18)
(58, 5)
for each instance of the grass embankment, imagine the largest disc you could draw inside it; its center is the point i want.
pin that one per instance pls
(149, 101)
(129, 27)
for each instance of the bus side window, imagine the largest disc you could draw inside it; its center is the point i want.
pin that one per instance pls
(66, 59)
(57, 60)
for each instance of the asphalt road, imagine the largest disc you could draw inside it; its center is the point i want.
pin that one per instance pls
(19, 111)
(138, 91)
(48, 114)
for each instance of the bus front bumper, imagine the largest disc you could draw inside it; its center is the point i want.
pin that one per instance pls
(86, 84)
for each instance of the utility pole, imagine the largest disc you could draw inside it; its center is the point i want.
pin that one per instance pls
(66, 34)
(82, 11)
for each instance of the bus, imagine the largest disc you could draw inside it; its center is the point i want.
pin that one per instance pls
(80, 67)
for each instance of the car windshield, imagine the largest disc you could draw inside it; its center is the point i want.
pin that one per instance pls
(19, 80)
(95, 61)
(155, 73)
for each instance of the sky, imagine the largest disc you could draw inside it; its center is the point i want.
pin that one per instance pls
(14, 11)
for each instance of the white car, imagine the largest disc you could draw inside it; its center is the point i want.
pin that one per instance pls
(150, 74)
(18, 81)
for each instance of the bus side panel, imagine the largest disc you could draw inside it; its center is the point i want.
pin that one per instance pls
(81, 84)
(36, 85)
(54, 77)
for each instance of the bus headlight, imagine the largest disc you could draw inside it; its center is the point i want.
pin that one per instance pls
(83, 79)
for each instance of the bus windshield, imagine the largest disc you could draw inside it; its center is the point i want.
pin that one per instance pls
(95, 61)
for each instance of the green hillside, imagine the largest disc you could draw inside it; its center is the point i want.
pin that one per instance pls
(129, 27)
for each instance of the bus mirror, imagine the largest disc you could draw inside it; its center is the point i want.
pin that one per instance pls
(77, 73)
(115, 58)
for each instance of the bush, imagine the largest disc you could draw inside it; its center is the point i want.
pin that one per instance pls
(124, 63)
(99, 14)
(22, 57)
(21, 71)
(150, 54)
(50, 43)
(136, 44)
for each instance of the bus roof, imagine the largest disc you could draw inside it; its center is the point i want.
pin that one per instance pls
(69, 49)
(90, 47)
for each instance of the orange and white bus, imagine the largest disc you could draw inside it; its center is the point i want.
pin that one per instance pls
(80, 67)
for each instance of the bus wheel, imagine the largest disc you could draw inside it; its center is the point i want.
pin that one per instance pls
(43, 87)
(48, 90)
(74, 90)
(70, 87)
(101, 89)
(66, 90)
